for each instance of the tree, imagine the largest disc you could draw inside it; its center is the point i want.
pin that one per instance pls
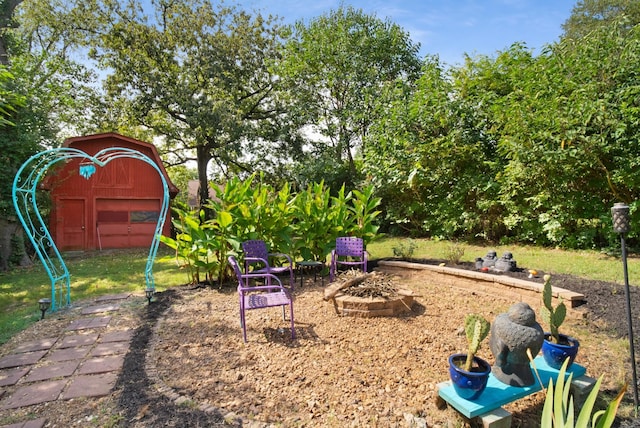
(181, 175)
(46, 93)
(589, 15)
(572, 137)
(336, 67)
(432, 160)
(196, 76)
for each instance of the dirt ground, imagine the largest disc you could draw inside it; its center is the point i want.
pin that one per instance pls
(189, 367)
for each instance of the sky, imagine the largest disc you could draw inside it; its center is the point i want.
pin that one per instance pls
(447, 28)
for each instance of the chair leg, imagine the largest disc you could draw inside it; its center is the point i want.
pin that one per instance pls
(244, 326)
(293, 331)
(332, 271)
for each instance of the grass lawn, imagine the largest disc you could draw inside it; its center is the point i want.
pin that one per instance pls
(586, 264)
(112, 272)
(92, 275)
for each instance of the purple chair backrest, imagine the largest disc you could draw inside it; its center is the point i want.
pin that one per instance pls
(255, 248)
(349, 246)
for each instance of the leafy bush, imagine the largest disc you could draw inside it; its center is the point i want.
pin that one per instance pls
(454, 253)
(404, 249)
(304, 225)
(558, 410)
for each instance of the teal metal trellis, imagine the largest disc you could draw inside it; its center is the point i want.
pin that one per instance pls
(24, 201)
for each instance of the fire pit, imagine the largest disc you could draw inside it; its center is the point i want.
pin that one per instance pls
(368, 295)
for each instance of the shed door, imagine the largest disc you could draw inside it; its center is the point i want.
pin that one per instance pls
(72, 232)
(126, 223)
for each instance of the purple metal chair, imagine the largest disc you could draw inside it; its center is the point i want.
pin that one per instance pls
(258, 257)
(349, 252)
(258, 297)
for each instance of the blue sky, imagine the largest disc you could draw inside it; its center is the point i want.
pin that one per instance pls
(448, 28)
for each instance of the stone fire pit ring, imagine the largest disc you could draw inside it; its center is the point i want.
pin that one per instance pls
(346, 304)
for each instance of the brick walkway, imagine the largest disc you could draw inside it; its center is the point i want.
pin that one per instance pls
(83, 361)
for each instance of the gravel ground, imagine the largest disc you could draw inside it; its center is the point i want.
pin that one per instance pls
(189, 367)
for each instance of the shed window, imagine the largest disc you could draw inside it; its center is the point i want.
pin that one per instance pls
(144, 216)
(113, 217)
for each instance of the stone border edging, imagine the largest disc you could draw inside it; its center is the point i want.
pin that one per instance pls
(572, 298)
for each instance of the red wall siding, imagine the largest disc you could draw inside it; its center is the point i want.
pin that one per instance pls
(112, 208)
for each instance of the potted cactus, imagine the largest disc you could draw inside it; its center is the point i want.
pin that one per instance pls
(469, 373)
(556, 347)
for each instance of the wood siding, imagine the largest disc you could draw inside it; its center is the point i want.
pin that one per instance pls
(115, 208)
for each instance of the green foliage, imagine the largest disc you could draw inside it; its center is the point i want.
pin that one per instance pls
(515, 148)
(180, 176)
(454, 254)
(10, 101)
(17, 248)
(335, 67)
(589, 15)
(476, 328)
(553, 317)
(194, 245)
(303, 225)
(430, 163)
(558, 410)
(404, 249)
(195, 73)
(318, 222)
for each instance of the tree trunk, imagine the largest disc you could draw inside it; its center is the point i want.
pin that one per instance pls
(203, 192)
(9, 250)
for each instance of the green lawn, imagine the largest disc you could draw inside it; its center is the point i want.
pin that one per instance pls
(93, 275)
(587, 264)
(112, 272)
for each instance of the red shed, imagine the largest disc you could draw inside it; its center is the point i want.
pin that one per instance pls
(117, 207)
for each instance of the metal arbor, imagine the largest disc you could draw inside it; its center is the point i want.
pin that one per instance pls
(23, 193)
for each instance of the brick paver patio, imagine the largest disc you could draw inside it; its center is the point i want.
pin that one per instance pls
(76, 364)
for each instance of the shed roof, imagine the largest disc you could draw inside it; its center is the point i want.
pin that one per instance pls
(76, 141)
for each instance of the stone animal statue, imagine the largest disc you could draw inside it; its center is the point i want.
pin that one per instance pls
(506, 263)
(512, 333)
(490, 259)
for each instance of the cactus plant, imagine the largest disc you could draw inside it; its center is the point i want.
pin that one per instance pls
(476, 327)
(554, 317)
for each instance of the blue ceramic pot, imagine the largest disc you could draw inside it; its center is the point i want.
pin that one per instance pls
(468, 385)
(554, 354)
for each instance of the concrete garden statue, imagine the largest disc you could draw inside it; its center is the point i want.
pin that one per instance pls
(512, 333)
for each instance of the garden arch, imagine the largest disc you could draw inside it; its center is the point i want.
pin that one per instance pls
(25, 186)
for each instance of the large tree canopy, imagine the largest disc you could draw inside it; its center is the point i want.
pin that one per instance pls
(337, 66)
(589, 15)
(196, 76)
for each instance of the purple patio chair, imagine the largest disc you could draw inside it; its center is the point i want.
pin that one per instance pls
(259, 297)
(258, 258)
(349, 252)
